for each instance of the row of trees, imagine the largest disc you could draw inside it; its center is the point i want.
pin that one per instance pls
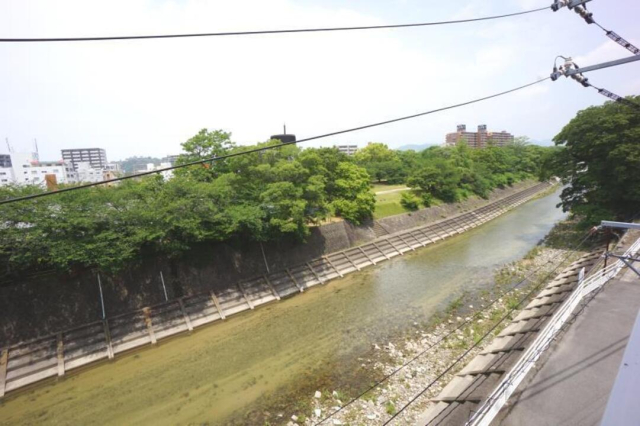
(269, 195)
(263, 196)
(451, 174)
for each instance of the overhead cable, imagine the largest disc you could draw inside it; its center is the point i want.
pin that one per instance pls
(266, 148)
(263, 32)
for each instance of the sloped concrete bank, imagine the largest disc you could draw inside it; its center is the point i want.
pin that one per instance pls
(42, 305)
(58, 353)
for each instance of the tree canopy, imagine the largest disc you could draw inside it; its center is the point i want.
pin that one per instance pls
(600, 161)
(263, 196)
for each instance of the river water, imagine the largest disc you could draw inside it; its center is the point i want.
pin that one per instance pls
(275, 357)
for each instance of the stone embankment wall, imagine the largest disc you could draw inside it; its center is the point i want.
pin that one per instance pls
(43, 305)
(55, 354)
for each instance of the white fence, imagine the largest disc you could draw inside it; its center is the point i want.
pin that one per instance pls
(492, 406)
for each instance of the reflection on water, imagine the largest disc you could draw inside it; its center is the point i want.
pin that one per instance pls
(225, 368)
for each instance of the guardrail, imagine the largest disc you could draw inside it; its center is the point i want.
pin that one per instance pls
(499, 397)
(54, 355)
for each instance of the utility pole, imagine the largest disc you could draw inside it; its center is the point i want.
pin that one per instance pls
(571, 69)
(577, 70)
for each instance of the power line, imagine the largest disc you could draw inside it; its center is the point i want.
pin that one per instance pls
(484, 336)
(441, 339)
(264, 32)
(266, 148)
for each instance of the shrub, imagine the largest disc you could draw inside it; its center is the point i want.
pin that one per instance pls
(409, 201)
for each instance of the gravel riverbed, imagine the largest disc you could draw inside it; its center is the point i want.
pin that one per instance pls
(435, 348)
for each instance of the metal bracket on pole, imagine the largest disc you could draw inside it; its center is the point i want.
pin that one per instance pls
(626, 260)
(622, 225)
(577, 70)
(559, 4)
(630, 266)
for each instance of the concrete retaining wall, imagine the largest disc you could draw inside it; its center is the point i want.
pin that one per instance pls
(54, 355)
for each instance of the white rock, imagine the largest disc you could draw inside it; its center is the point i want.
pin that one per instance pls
(294, 418)
(318, 394)
(376, 346)
(337, 422)
(317, 412)
(470, 306)
(334, 393)
(467, 319)
(459, 319)
(371, 416)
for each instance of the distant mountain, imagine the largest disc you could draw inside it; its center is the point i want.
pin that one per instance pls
(415, 147)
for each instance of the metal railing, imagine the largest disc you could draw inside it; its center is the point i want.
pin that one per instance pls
(499, 397)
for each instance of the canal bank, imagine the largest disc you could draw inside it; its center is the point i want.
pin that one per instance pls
(259, 362)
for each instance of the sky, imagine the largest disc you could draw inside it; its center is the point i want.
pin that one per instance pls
(146, 97)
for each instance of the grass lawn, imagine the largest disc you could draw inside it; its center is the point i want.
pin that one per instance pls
(377, 187)
(387, 204)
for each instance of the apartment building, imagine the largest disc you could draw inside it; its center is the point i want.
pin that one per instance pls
(479, 139)
(347, 149)
(96, 157)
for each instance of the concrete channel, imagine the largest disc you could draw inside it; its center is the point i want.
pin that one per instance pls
(31, 362)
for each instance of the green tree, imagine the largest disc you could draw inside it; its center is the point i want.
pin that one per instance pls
(205, 144)
(600, 162)
(353, 199)
(381, 162)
